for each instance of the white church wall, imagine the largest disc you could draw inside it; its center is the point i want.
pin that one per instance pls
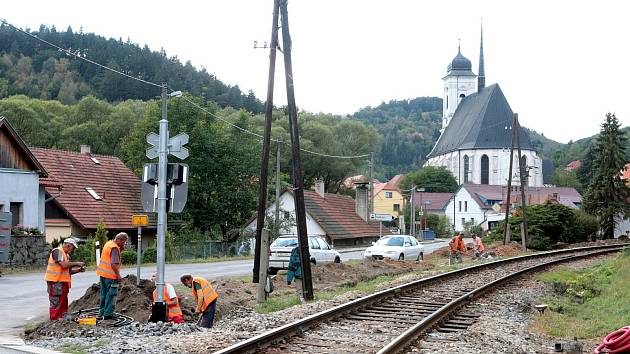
(454, 87)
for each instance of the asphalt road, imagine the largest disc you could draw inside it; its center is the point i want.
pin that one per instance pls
(23, 297)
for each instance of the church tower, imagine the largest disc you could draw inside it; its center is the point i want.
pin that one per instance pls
(459, 82)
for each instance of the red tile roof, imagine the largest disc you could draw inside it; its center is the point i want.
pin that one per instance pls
(437, 201)
(625, 173)
(118, 187)
(573, 165)
(534, 195)
(335, 213)
(391, 185)
(50, 182)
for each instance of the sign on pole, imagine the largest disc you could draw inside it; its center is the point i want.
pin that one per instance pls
(140, 220)
(381, 217)
(175, 146)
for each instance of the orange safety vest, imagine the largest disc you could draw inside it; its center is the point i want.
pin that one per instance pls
(105, 269)
(207, 292)
(457, 245)
(173, 310)
(54, 271)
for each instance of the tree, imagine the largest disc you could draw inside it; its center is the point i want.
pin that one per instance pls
(432, 179)
(607, 196)
(564, 178)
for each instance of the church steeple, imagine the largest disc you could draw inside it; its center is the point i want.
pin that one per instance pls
(481, 79)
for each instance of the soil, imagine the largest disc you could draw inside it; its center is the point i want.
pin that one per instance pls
(494, 249)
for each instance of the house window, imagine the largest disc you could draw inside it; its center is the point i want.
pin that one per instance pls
(93, 193)
(485, 170)
(460, 205)
(465, 205)
(388, 195)
(472, 220)
(287, 215)
(466, 168)
(463, 221)
(16, 213)
(396, 207)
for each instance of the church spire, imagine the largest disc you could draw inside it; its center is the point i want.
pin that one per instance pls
(481, 79)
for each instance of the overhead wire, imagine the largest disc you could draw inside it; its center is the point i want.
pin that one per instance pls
(78, 56)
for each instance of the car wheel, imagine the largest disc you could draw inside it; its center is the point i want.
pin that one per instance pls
(313, 261)
(273, 271)
(337, 260)
(401, 257)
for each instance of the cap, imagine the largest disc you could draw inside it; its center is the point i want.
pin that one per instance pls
(71, 241)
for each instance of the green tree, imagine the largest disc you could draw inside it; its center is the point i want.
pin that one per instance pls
(564, 178)
(607, 195)
(432, 179)
(101, 234)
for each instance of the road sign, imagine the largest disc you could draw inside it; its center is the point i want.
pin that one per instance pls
(175, 146)
(496, 208)
(176, 187)
(381, 217)
(140, 220)
(5, 236)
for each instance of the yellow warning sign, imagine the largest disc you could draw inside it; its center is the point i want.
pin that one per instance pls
(140, 220)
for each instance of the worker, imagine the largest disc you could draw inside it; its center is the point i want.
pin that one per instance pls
(174, 312)
(478, 247)
(295, 271)
(59, 277)
(457, 247)
(109, 272)
(206, 298)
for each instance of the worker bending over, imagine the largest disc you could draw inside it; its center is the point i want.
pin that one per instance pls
(58, 277)
(478, 247)
(109, 272)
(457, 247)
(173, 311)
(206, 298)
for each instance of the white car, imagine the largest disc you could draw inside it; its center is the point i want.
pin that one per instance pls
(399, 247)
(319, 249)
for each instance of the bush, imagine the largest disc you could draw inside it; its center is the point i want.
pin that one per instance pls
(440, 224)
(149, 255)
(85, 253)
(129, 257)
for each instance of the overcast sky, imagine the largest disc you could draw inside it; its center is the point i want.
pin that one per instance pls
(561, 64)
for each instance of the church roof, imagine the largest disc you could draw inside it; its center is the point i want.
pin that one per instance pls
(460, 66)
(483, 120)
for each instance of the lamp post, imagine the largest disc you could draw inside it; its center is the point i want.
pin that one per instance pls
(421, 213)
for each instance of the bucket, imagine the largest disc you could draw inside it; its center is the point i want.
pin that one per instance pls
(90, 321)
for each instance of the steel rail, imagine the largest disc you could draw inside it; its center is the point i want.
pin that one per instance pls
(254, 344)
(400, 343)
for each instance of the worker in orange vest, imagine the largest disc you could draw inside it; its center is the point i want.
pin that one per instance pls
(109, 272)
(174, 312)
(58, 277)
(206, 298)
(457, 247)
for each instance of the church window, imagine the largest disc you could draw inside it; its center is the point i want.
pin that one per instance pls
(485, 169)
(466, 206)
(466, 168)
(447, 102)
(462, 96)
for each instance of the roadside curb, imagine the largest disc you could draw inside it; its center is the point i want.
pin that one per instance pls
(17, 345)
(432, 241)
(348, 250)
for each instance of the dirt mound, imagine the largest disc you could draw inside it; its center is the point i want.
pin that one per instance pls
(510, 250)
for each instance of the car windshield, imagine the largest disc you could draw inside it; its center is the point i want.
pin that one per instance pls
(285, 242)
(391, 241)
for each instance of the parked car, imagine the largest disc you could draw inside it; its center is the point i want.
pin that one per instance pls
(280, 252)
(399, 247)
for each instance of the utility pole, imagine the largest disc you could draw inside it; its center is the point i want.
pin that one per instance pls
(413, 211)
(371, 185)
(277, 220)
(159, 307)
(298, 183)
(521, 168)
(262, 194)
(506, 235)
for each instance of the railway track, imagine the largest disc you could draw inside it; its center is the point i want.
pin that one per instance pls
(391, 320)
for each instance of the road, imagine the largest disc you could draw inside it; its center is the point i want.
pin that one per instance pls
(23, 296)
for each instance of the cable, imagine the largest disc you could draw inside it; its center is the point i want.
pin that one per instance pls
(78, 56)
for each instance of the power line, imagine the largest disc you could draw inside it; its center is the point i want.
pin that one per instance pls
(78, 55)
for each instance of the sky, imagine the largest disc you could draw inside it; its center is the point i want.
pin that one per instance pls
(561, 64)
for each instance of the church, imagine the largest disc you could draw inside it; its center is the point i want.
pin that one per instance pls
(476, 133)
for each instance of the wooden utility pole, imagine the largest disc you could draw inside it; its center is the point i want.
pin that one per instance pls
(262, 195)
(413, 211)
(506, 227)
(298, 183)
(522, 171)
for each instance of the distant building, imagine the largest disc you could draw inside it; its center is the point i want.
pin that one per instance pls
(432, 203)
(573, 165)
(387, 197)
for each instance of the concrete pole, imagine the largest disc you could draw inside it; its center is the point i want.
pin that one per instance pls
(277, 219)
(371, 185)
(264, 265)
(412, 219)
(161, 223)
(139, 256)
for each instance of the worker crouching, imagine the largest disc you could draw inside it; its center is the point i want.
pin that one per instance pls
(59, 277)
(457, 248)
(174, 312)
(206, 298)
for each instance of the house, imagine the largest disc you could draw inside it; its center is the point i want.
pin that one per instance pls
(484, 205)
(432, 203)
(95, 188)
(573, 165)
(387, 197)
(335, 217)
(23, 180)
(623, 226)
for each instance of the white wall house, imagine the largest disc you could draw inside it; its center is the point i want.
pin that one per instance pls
(623, 227)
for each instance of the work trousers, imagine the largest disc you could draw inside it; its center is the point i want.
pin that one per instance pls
(109, 292)
(58, 298)
(207, 317)
(455, 257)
(299, 286)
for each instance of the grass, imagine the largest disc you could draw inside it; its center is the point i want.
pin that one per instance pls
(81, 348)
(587, 303)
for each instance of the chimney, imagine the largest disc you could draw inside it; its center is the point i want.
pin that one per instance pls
(85, 149)
(361, 200)
(320, 188)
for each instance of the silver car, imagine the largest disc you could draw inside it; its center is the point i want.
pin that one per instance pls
(319, 249)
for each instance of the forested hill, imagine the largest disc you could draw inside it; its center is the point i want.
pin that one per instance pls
(32, 68)
(408, 129)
